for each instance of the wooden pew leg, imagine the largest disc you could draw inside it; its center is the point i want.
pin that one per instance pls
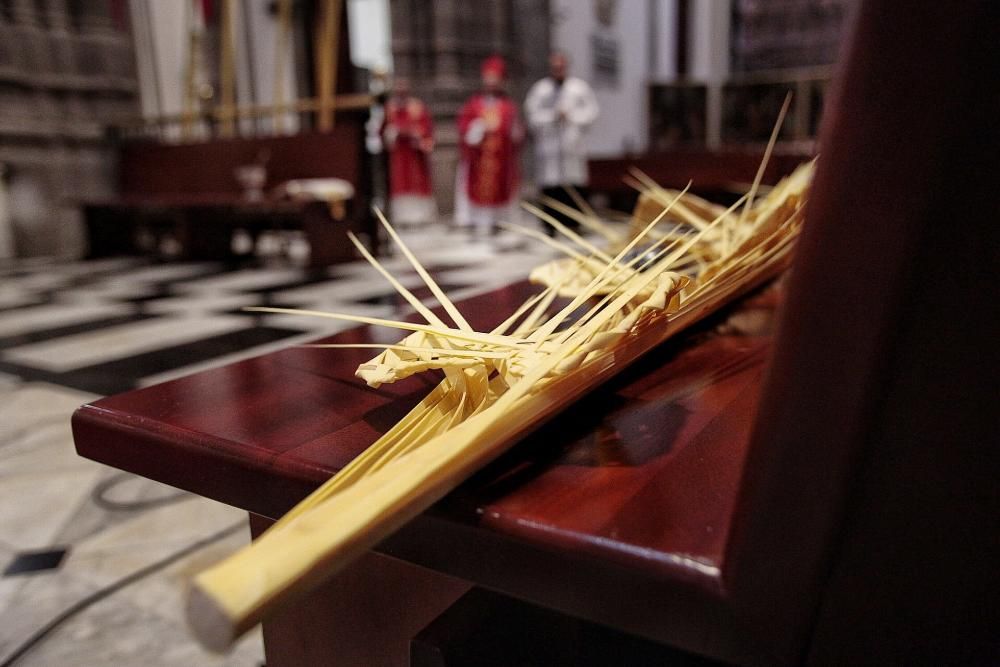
(365, 616)
(327, 237)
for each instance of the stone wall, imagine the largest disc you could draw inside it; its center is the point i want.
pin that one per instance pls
(66, 73)
(783, 34)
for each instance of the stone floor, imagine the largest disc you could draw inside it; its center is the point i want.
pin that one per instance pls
(99, 556)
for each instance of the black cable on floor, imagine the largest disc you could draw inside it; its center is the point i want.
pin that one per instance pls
(99, 493)
(74, 609)
(99, 496)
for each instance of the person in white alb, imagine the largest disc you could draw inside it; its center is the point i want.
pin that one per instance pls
(559, 109)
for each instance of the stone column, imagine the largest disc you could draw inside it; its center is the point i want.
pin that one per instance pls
(73, 76)
(6, 225)
(709, 58)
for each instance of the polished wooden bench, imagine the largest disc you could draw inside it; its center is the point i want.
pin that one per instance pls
(618, 512)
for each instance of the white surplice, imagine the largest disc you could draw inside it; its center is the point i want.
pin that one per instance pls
(559, 116)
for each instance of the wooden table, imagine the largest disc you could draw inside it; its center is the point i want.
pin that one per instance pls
(203, 225)
(617, 512)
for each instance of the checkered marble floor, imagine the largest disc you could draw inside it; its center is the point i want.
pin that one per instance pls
(73, 331)
(108, 326)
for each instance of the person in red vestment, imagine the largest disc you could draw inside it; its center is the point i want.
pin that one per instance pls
(407, 134)
(490, 135)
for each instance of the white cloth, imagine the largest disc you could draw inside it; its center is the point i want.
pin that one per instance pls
(412, 209)
(331, 189)
(559, 116)
(476, 132)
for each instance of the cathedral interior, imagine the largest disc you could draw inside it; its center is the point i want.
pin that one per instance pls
(197, 196)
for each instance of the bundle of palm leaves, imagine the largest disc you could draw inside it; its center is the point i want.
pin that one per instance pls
(623, 300)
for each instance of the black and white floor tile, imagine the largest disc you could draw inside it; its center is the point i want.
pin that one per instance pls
(73, 331)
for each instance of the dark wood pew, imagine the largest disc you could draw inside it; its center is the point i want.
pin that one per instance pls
(709, 170)
(718, 175)
(191, 191)
(203, 226)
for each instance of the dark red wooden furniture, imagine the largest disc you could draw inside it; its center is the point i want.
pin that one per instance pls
(719, 175)
(618, 512)
(708, 170)
(838, 505)
(191, 191)
(152, 169)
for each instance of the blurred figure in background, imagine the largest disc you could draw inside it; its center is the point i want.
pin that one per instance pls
(490, 135)
(378, 88)
(559, 109)
(408, 136)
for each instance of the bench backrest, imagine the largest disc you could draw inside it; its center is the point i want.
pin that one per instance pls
(868, 522)
(151, 169)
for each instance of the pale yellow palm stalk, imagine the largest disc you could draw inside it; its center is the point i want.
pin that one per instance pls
(500, 384)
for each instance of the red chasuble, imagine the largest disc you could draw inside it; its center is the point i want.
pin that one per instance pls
(408, 136)
(493, 174)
